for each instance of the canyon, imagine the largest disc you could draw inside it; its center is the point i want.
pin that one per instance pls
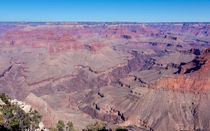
(144, 76)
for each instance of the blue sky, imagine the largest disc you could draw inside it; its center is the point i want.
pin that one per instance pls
(106, 10)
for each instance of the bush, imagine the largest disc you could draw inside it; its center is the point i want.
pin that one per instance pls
(13, 118)
(60, 125)
(97, 126)
(5, 98)
(120, 128)
(70, 126)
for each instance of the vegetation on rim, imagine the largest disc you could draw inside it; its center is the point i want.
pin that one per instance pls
(13, 118)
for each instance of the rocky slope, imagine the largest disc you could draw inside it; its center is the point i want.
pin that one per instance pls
(181, 101)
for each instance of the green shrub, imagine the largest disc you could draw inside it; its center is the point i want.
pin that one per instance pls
(5, 98)
(120, 128)
(70, 126)
(97, 126)
(13, 118)
(60, 125)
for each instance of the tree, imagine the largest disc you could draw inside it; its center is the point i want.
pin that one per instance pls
(70, 126)
(13, 118)
(5, 98)
(60, 125)
(35, 118)
(120, 128)
(97, 126)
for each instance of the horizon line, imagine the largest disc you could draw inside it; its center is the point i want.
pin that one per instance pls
(104, 22)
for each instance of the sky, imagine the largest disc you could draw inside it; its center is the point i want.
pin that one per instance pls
(105, 10)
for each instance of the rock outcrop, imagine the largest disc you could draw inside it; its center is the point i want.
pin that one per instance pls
(194, 75)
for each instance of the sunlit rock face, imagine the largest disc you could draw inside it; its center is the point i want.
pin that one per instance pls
(152, 76)
(194, 75)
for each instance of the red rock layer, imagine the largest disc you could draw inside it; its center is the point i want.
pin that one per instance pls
(52, 39)
(194, 75)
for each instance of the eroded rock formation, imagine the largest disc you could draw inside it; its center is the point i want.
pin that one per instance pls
(151, 76)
